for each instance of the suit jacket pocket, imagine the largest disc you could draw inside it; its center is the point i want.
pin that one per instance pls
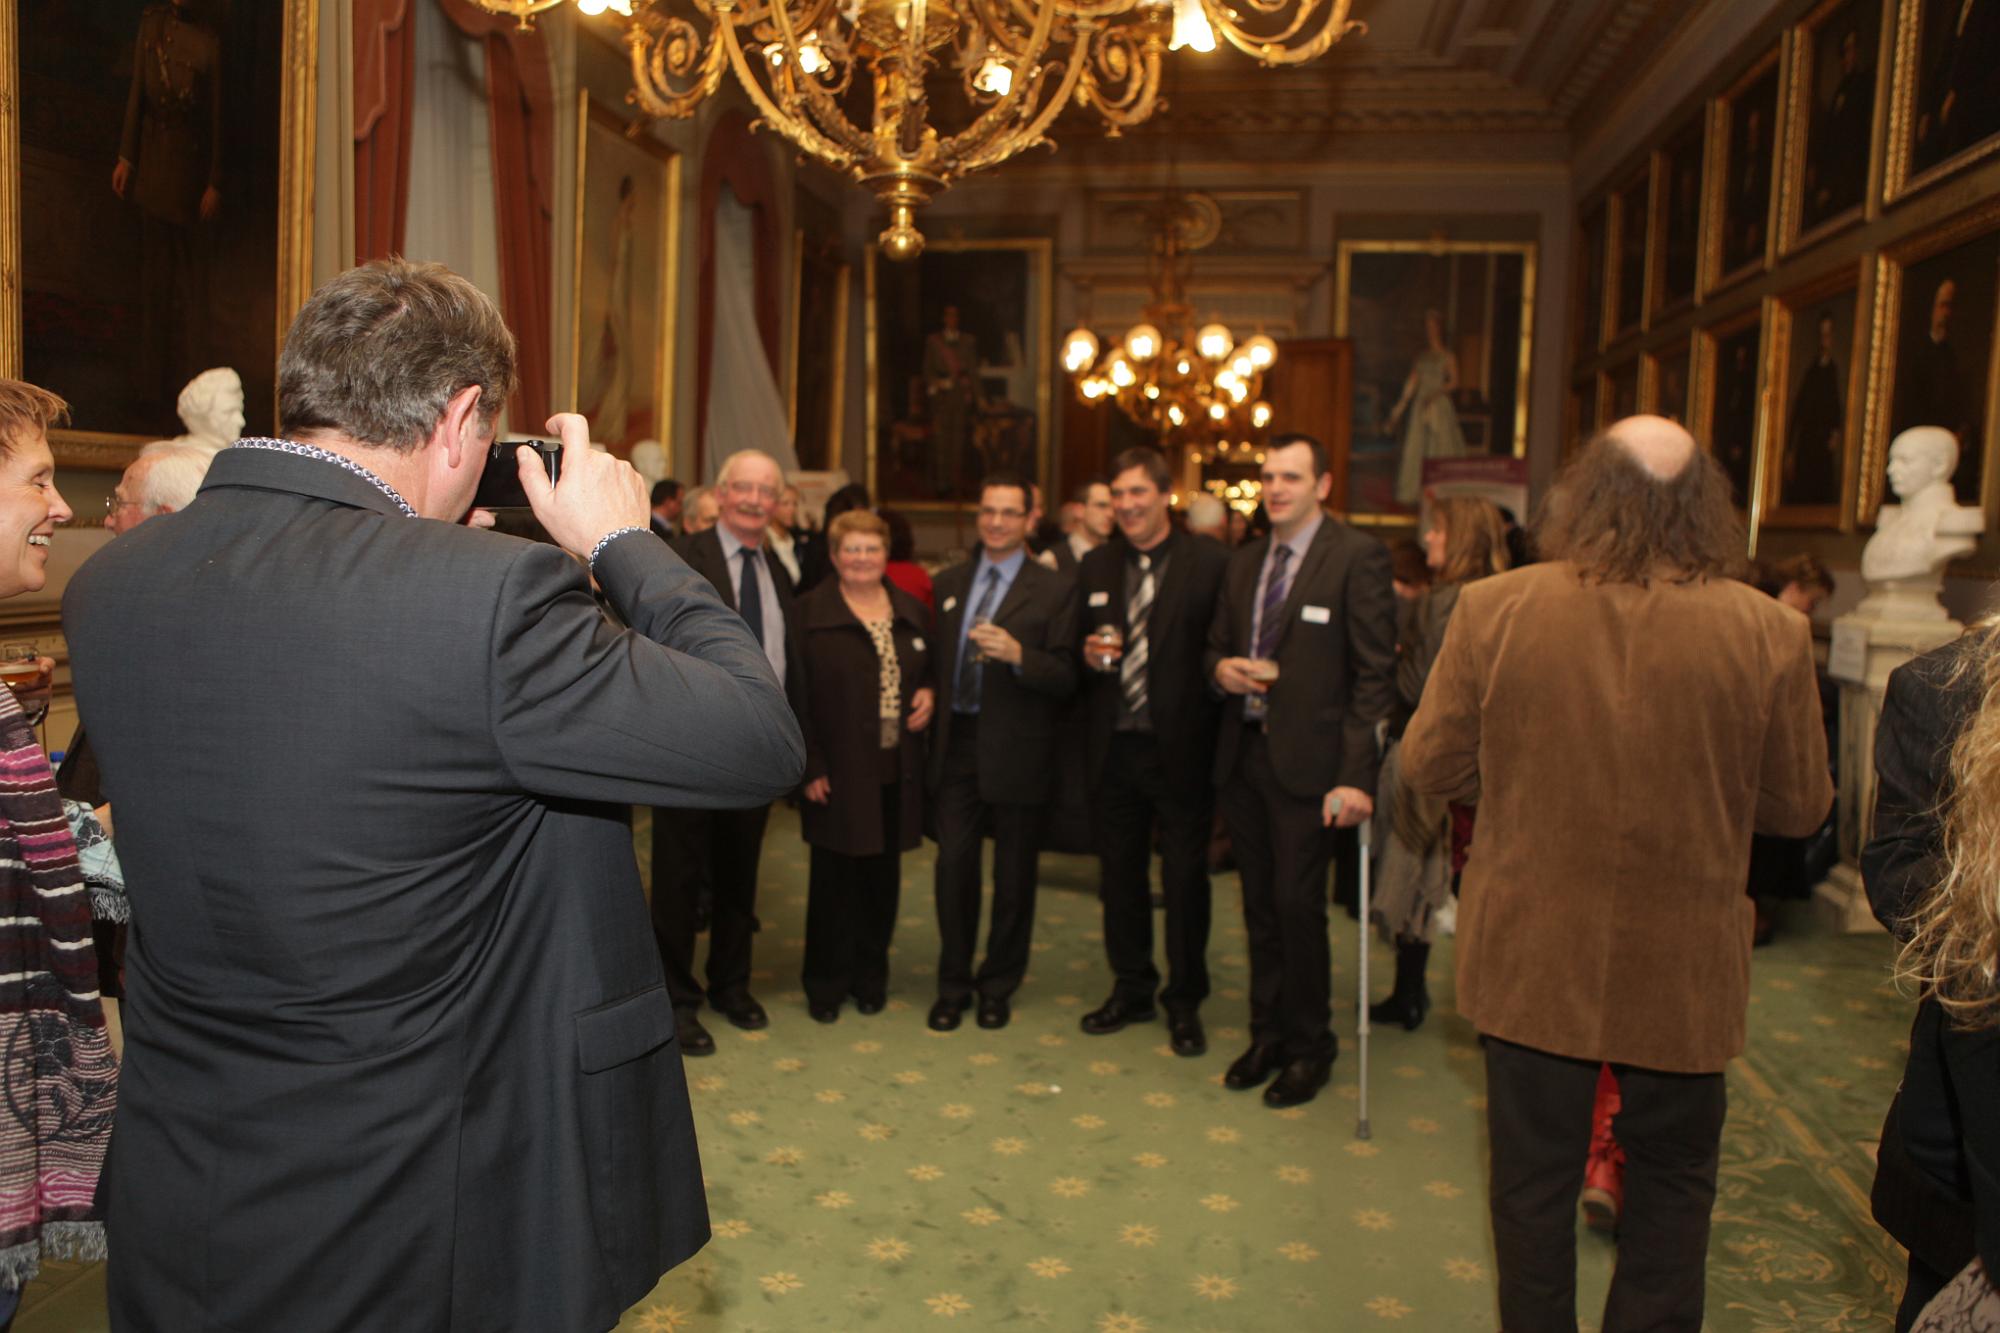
(623, 1030)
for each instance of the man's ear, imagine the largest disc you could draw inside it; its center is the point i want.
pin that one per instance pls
(461, 426)
(1323, 487)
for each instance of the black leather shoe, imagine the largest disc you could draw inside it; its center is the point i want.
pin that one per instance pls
(1185, 1035)
(1114, 1014)
(693, 1036)
(1253, 1067)
(823, 1013)
(993, 1013)
(868, 1004)
(1298, 1082)
(946, 1013)
(745, 1013)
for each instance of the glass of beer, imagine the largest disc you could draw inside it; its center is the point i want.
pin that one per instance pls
(972, 644)
(1105, 647)
(1263, 670)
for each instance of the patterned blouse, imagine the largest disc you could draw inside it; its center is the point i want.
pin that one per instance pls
(883, 632)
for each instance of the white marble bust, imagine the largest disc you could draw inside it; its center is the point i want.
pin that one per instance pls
(211, 407)
(649, 459)
(1903, 563)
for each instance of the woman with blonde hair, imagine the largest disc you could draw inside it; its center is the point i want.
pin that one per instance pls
(1932, 871)
(1417, 856)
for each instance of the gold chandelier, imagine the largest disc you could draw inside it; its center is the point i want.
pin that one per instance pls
(1191, 386)
(855, 84)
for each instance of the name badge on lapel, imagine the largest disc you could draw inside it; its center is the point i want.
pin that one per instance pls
(1100, 599)
(950, 603)
(917, 645)
(1315, 615)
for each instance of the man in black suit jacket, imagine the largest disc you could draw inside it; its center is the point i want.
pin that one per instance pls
(666, 516)
(1315, 598)
(1006, 657)
(1150, 743)
(723, 846)
(397, 1050)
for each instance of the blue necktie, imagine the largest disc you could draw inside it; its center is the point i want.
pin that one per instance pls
(969, 674)
(749, 598)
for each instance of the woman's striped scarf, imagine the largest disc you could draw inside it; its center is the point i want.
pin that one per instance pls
(58, 1078)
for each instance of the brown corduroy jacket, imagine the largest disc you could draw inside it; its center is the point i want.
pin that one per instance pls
(1622, 743)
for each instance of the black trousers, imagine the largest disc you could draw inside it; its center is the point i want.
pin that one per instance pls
(728, 843)
(1282, 853)
(1133, 798)
(962, 821)
(1538, 1111)
(851, 915)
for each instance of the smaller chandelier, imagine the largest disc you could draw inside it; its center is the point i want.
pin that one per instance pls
(1191, 386)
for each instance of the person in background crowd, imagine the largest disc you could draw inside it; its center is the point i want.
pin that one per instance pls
(1800, 582)
(785, 538)
(1621, 756)
(1929, 870)
(1208, 517)
(666, 501)
(1006, 660)
(903, 569)
(1304, 644)
(1239, 528)
(1466, 541)
(1069, 518)
(1092, 529)
(700, 512)
(1410, 564)
(816, 564)
(1150, 723)
(57, 1053)
(867, 704)
(1043, 534)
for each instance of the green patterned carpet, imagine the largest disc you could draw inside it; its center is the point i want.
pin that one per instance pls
(875, 1175)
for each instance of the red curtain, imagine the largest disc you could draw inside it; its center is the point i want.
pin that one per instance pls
(385, 71)
(520, 98)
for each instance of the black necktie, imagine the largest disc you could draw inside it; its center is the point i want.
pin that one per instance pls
(749, 598)
(969, 676)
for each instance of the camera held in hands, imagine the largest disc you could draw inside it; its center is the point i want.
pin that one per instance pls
(500, 485)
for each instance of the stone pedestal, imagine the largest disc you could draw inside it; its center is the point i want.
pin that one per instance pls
(1890, 643)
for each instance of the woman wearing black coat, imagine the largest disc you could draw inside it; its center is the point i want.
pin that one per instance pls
(868, 702)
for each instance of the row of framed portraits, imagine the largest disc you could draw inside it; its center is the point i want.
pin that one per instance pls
(1860, 104)
(1799, 395)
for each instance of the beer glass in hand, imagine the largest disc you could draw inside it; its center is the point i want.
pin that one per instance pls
(1105, 648)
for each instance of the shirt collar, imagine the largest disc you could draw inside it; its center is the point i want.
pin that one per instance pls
(1302, 540)
(257, 443)
(1160, 549)
(1009, 567)
(730, 543)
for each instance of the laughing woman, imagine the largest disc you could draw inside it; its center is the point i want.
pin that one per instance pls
(868, 702)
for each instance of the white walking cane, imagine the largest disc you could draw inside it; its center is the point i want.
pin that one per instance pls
(1333, 804)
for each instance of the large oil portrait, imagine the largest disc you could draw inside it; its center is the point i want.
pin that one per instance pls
(1729, 375)
(960, 345)
(1940, 298)
(1816, 371)
(1441, 333)
(1630, 216)
(152, 141)
(1833, 112)
(1948, 89)
(1677, 214)
(1747, 117)
(621, 364)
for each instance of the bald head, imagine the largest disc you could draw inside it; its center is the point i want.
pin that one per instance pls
(1660, 447)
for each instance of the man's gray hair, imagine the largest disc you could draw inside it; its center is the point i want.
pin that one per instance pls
(173, 473)
(742, 455)
(378, 352)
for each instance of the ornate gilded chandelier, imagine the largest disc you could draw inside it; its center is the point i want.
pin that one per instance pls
(906, 96)
(1191, 386)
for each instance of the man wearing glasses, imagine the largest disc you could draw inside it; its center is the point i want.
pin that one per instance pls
(734, 557)
(1006, 658)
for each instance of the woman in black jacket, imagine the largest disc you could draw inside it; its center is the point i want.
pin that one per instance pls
(868, 701)
(1931, 871)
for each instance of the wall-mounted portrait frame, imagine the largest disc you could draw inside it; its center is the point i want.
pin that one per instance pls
(1818, 375)
(816, 379)
(1744, 147)
(1835, 64)
(1631, 254)
(59, 137)
(1618, 391)
(1934, 352)
(1944, 112)
(1592, 295)
(1727, 403)
(1677, 207)
(1666, 380)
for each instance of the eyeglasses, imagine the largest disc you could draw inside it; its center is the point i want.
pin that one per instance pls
(752, 488)
(115, 502)
(987, 511)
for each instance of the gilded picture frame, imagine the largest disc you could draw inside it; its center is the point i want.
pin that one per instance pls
(1630, 283)
(1817, 372)
(1004, 290)
(1745, 144)
(1911, 163)
(1831, 108)
(1674, 261)
(821, 281)
(283, 163)
(1592, 292)
(1909, 279)
(1727, 404)
(1666, 380)
(1618, 391)
(624, 279)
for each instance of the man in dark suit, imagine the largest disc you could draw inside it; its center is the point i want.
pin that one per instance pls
(1006, 657)
(1150, 743)
(397, 1049)
(666, 510)
(1297, 749)
(723, 844)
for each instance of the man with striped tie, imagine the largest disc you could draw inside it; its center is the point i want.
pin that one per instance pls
(1304, 644)
(1147, 598)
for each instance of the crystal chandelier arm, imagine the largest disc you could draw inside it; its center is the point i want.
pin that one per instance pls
(828, 124)
(1121, 78)
(981, 143)
(1284, 47)
(801, 132)
(672, 68)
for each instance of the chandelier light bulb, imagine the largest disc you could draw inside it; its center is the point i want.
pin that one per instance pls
(1237, 390)
(1079, 350)
(1260, 415)
(1181, 367)
(1218, 412)
(812, 60)
(1227, 381)
(1122, 373)
(596, 7)
(996, 76)
(1152, 391)
(1214, 342)
(1243, 366)
(1175, 415)
(1261, 351)
(1142, 342)
(1191, 27)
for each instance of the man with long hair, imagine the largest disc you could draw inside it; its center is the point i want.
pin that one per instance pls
(1626, 714)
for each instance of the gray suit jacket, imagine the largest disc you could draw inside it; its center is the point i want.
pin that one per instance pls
(396, 1036)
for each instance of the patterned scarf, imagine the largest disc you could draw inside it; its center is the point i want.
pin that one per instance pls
(58, 1078)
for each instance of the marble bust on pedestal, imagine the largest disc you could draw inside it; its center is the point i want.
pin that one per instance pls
(1903, 563)
(211, 407)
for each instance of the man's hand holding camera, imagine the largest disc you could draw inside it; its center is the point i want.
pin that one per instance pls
(595, 493)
